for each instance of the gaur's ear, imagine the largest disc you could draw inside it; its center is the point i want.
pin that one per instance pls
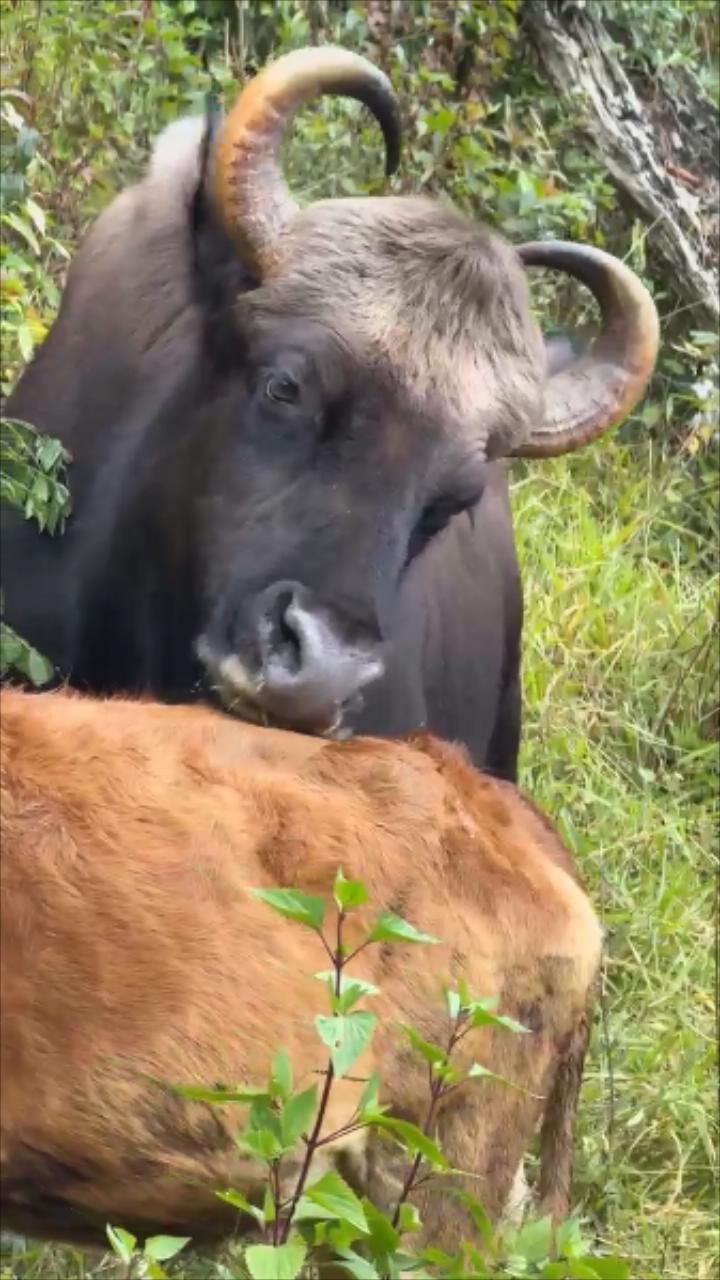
(219, 275)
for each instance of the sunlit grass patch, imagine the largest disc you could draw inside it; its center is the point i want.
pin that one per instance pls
(619, 746)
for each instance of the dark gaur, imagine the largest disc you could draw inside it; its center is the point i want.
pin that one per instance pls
(288, 429)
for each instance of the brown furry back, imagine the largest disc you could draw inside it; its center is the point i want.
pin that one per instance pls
(131, 948)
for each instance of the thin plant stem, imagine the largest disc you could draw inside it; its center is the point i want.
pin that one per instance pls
(438, 1089)
(313, 1139)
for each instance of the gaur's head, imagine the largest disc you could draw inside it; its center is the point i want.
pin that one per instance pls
(384, 354)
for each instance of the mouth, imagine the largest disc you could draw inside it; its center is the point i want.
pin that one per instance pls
(239, 692)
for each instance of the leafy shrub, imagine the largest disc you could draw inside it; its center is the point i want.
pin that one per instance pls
(31, 479)
(321, 1219)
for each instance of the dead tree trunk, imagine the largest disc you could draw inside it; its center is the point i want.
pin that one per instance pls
(644, 144)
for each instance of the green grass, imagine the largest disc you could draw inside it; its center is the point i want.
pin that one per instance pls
(620, 747)
(621, 683)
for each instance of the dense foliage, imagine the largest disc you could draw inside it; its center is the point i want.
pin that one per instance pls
(619, 544)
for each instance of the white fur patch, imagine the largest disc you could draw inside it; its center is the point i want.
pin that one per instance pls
(234, 673)
(175, 156)
(229, 670)
(518, 1200)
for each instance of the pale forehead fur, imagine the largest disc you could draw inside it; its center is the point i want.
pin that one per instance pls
(434, 297)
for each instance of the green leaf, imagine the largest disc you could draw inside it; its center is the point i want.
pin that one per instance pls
(413, 1139)
(23, 229)
(437, 1257)
(353, 992)
(446, 1072)
(198, 1093)
(262, 1143)
(534, 1241)
(275, 1262)
(333, 1193)
(464, 993)
(298, 1114)
(37, 216)
(383, 1237)
(405, 1264)
(25, 341)
(264, 1114)
(122, 1243)
(430, 1052)
(481, 1015)
(606, 1268)
(153, 1271)
(452, 1002)
(40, 491)
(392, 928)
(482, 1223)
(238, 1201)
(341, 1235)
(50, 453)
(303, 907)
(568, 1239)
(356, 1266)
(474, 1262)
(349, 893)
(162, 1248)
(328, 975)
(10, 649)
(347, 983)
(368, 1100)
(478, 1072)
(409, 1219)
(346, 1037)
(281, 1078)
(269, 1210)
(440, 121)
(307, 1211)
(37, 667)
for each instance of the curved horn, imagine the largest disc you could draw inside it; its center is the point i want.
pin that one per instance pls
(254, 200)
(598, 389)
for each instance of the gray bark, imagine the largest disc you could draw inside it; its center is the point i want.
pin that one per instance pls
(637, 146)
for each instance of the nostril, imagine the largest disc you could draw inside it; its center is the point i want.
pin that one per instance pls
(281, 636)
(313, 662)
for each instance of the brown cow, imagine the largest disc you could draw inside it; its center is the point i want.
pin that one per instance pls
(131, 948)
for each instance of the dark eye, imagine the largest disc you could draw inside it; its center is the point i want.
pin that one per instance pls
(283, 388)
(432, 521)
(434, 518)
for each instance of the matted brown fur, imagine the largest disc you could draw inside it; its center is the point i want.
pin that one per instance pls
(130, 948)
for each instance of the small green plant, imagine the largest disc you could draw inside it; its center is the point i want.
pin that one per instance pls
(32, 468)
(144, 1262)
(307, 1218)
(32, 472)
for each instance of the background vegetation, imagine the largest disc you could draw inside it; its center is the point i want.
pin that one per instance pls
(618, 544)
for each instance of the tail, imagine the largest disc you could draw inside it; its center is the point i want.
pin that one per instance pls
(557, 1137)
